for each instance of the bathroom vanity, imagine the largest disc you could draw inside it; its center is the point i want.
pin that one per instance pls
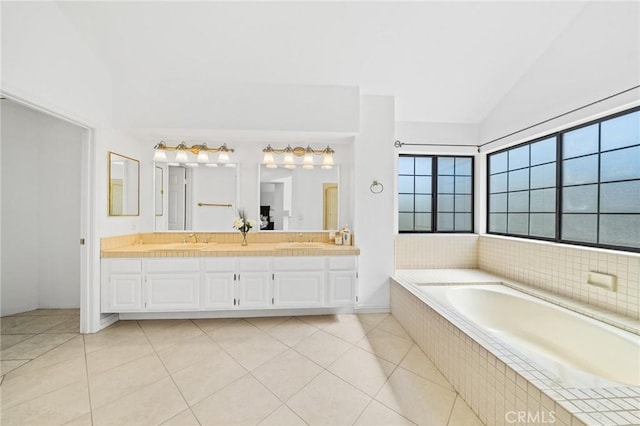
(226, 279)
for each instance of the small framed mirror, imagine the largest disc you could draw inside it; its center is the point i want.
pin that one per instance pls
(159, 192)
(124, 185)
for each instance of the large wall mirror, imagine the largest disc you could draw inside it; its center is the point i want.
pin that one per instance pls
(299, 199)
(124, 184)
(202, 199)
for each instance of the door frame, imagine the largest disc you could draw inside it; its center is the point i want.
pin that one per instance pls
(90, 317)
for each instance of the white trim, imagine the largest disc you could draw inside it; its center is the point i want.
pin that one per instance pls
(380, 309)
(238, 314)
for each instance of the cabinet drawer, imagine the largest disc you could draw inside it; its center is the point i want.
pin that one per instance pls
(172, 265)
(253, 264)
(221, 264)
(122, 266)
(315, 263)
(342, 263)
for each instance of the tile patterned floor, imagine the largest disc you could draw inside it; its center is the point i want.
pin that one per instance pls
(316, 370)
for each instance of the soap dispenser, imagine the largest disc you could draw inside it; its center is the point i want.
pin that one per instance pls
(346, 235)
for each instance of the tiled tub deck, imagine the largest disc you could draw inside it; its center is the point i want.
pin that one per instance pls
(498, 382)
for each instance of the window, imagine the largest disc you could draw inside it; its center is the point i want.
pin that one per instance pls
(579, 186)
(440, 184)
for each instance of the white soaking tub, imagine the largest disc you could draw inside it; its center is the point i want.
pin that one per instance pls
(580, 351)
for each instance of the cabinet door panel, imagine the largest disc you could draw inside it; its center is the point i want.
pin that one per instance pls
(342, 287)
(125, 293)
(299, 289)
(173, 292)
(255, 290)
(218, 290)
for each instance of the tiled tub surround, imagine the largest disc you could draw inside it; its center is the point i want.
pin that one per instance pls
(496, 380)
(216, 244)
(436, 251)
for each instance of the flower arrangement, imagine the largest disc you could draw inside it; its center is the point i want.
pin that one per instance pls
(243, 225)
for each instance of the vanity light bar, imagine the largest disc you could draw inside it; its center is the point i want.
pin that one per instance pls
(201, 151)
(289, 153)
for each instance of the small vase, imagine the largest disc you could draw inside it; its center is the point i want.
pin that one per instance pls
(244, 238)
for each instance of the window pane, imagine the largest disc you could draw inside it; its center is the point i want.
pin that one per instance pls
(463, 203)
(405, 184)
(580, 170)
(543, 200)
(446, 165)
(445, 184)
(405, 221)
(445, 221)
(423, 221)
(519, 201)
(463, 166)
(498, 183)
(620, 131)
(579, 227)
(519, 180)
(621, 164)
(518, 223)
(498, 163)
(620, 230)
(405, 202)
(498, 203)
(423, 203)
(405, 165)
(543, 151)
(519, 157)
(498, 222)
(463, 222)
(621, 197)
(445, 203)
(423, 185)
(542, 225)
(580, 199)
(463, 184)
(543, 176)
(580, 141)
(423, 165)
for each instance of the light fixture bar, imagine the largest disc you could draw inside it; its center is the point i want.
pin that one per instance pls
(298, 151)
(201, 151)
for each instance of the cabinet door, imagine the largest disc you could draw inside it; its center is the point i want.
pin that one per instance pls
(218, 290)
(298, 289)
(173, 292)
(254, 290)
(342, 288)
(124, 293)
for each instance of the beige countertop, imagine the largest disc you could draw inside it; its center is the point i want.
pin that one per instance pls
(214, 249)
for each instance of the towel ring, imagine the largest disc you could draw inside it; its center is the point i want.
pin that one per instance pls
(376, 187)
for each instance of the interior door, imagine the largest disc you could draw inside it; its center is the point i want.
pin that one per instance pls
(177, 198)
(330, 206)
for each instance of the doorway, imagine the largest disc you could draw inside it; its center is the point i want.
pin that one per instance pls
(330, 206)
(44, 179)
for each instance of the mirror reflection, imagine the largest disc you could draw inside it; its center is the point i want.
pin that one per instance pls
(299, 199)
(124, 182)
(159, 191)
(198, 198)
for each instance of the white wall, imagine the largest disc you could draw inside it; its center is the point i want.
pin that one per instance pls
(596, 56)
(41, 220)
(374, 213)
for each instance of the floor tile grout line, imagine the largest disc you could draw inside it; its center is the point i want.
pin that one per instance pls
(86, 367)
(42, 354)
(155, 351)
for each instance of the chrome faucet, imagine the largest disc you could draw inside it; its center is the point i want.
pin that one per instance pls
(195, 238)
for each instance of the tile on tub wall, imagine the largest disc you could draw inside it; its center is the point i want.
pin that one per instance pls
(563, 270)
(436, 251)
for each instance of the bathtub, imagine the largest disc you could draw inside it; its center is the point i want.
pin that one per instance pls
(579, 351)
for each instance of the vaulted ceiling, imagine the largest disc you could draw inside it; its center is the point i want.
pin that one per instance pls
(442, 61)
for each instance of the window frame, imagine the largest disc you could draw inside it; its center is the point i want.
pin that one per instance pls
(559, 187)
(434, 195)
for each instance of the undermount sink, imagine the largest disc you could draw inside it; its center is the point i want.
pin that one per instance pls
(284, 246)
(184, 246)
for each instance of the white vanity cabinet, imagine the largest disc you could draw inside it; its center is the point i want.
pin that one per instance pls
(172, 284)
(343, 279)
(298, 282)
(121, 289)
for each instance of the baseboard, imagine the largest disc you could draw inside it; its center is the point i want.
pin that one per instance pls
(236, 313)
(383, 309)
